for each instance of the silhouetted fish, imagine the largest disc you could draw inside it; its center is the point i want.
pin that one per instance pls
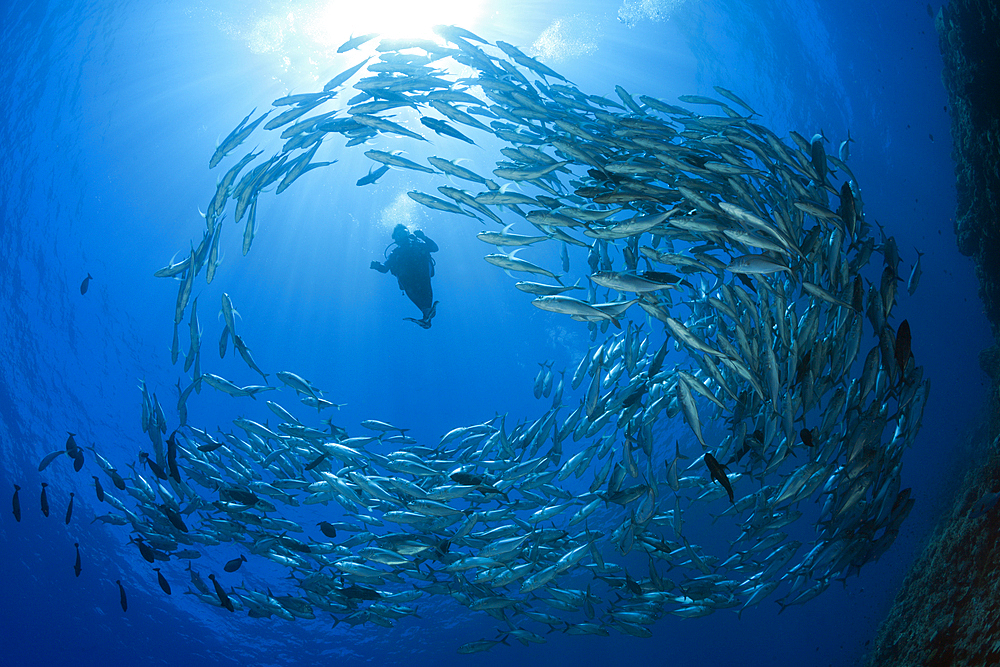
(69, 508)
(76, 566)
(903, 345)
(99, 489)
(153, 465)
(466, 479)
(121, 595)
(145, 550)
(45, 500)
(360, 593)
(327, 529)
(160, 579)
(17, 503)
(172, 457)
(235, 563)
(719, 475)
(49, 458)
(174, 517)
(85, 284)
(221, 592)
(632, 585)
(71, 447)
(316, 462)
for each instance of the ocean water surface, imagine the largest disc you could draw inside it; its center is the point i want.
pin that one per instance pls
(111, 113)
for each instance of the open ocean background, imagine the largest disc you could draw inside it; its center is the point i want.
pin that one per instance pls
(110, 113)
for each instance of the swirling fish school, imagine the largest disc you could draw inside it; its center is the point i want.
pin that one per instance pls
(752, 287)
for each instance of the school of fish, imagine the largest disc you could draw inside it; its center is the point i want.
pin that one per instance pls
(724, 289)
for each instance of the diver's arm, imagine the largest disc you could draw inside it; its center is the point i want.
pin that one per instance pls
(381, 268)
(431, 246)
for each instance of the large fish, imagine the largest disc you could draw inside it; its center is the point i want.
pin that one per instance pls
(511, 263)
(236, 137)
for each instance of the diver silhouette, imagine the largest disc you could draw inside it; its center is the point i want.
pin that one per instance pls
(412, 264)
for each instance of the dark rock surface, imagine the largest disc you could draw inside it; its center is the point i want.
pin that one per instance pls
(969, 32)
(948, 611)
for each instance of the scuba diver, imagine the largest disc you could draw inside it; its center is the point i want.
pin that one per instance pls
(412, 264)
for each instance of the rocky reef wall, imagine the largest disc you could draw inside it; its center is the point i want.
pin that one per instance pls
(947, 613)
(969, 33)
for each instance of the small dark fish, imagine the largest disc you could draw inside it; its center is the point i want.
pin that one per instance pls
(857, 298)
(239, 495)
(172, 457)
(661, 277)
(800, 372)
(69, 508)
(145, 550)
(221, 592)
(631, 584)
(373, 175)
(294, 545)
(152, 465)
(99, 489)
(322, 457)
(45, 500)
(848, 209)
(76, 566)
(17, 503)
(174, 517)
(657, 362)
(718, 473)
(85, 284)
(746, 281)
(164, 584)
(807, 437)
(443, 547)
(361, 593)
(466, 479)
(903, 345)
(635, 396)
(327, 529)
(78, 461)
(117, 479)
(71, 447)
(234, 564)
(49, 458)
(121, 595)
(224, 342)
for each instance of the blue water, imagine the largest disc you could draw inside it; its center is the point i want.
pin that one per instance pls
(110, 115)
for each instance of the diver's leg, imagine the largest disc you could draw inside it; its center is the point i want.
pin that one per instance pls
(422, 297)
